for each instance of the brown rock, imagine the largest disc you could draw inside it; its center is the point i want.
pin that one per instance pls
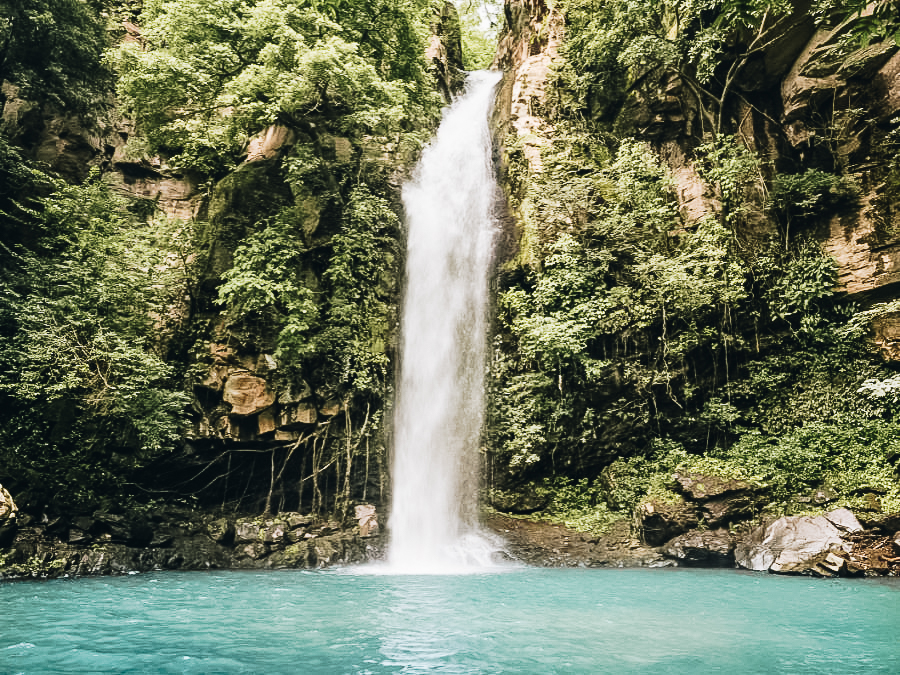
(268, 144)
(266, 421)
(660, 521)
(297, 415)
(247, 394)
(368, 520)
(707, 548)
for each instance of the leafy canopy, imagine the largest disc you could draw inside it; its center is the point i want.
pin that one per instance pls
(210, 74)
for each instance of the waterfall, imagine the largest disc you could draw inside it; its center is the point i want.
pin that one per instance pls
(440, 394)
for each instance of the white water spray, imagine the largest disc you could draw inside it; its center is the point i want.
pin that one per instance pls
(440, 396)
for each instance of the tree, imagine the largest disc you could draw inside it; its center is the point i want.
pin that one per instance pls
(52, 50)
(209, 75)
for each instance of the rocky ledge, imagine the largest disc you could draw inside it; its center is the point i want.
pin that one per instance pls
(834, 544)
(183, 539)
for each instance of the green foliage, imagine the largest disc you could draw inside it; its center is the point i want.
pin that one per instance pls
(332, 331)
(209, 75)
(578, 505)
(51, 50)
(86, 395)
(479, 33)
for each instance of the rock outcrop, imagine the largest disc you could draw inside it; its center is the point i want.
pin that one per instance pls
(444, 52)
(794, 544)
(108, 543)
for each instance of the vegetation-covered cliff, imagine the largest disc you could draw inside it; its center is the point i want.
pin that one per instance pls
(201, 247)
(701, 276)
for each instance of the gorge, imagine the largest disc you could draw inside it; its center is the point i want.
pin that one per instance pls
(692, 334)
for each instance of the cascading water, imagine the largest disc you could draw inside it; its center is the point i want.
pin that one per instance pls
(440, 396)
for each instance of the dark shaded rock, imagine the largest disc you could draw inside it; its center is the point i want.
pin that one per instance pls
(221, 531)
(83, 523)
(722, 501)
(727, 509)
(885, 524)
(78, 536)
(297, 520)
(508, 501)
(707, 548)
(660, 521)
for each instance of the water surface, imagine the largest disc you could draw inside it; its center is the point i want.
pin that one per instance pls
(525, 621)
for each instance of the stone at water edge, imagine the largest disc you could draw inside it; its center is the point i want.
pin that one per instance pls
(706, 548)
(791, 544)
(660, 521)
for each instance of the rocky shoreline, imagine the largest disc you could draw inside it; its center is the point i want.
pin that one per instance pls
(787, 545)
(182, 539)
(837, 543)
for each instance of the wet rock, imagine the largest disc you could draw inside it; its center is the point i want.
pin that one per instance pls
(661, 521)
(707, 548)
(792, 544)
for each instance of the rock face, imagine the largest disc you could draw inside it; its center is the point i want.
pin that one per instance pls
(707, 548)
(444, 52)
(247, 394)
(115, 544)
(660, 521)
(792, 544)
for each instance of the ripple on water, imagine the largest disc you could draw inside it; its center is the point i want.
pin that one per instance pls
(534, 621)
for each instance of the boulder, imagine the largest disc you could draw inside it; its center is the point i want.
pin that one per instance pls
(247, 394)
(698, 487)
(721, 500)
(895, 544)
(792, 544)
(367, 519)
(844, 520)
(660, 521)
(706, 548)
(885, 524)
(246, 532)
